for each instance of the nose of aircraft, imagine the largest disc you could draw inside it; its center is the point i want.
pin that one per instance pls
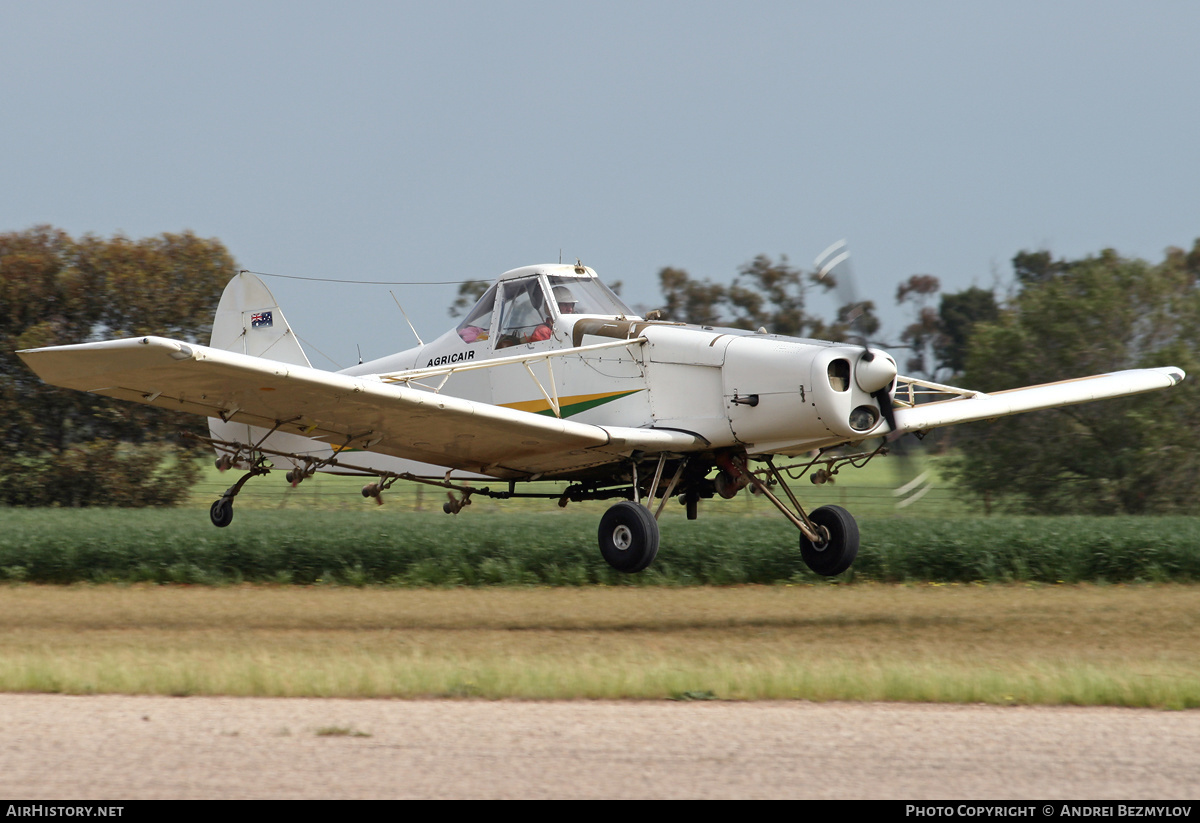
(875, 371)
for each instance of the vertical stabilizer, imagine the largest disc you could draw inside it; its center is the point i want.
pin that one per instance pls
(249, 321)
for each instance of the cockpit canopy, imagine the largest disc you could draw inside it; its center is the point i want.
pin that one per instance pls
(523, 305)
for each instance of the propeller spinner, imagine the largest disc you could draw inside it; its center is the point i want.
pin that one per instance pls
(876, 370)
(875, 373)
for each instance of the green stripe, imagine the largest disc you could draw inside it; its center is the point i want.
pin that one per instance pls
(576, 408)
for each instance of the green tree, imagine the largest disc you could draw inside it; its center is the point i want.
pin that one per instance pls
(469, 292)
(1075, 318)
(938, 337)
(60, 447)
(690, 301)
(765, 294)
(957, 316)
(922, 334)
(1033, 267)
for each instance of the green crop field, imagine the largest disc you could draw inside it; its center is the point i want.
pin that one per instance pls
(390, 546)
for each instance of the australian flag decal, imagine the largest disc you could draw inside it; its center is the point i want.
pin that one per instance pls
(260, 319)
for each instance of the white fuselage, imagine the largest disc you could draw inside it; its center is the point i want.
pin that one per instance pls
(732, 388)
(761, 392)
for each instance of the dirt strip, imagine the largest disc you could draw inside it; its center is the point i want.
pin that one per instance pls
(114, 747)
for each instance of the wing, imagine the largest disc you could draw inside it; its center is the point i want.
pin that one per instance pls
(965, 406)
(345, 411)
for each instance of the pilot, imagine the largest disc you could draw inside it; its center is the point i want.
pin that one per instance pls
(566, 301)
(566, 305)
(542, 332)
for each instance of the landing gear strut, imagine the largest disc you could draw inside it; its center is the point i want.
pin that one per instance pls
(828, 536)
(221, 512)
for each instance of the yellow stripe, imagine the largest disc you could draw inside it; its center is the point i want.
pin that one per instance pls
(541, 405)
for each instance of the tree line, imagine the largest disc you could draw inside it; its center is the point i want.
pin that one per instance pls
(68, 448)
(1057, 319)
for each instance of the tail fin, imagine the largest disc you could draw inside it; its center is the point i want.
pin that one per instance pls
(249, 321)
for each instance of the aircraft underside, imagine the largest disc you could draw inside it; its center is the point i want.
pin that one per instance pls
(628, 533)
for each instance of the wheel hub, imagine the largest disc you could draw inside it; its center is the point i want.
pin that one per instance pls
(622, 538)
(823, 544)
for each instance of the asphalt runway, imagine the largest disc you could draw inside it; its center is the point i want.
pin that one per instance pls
(55, 747)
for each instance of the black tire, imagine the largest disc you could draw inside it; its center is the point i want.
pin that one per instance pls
(836, 554)
(628, 537)
(221, 512)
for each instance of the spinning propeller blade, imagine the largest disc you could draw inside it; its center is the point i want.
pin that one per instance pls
(833, 257)
(875, 372)
(884, 398)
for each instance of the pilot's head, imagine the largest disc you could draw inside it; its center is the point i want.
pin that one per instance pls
(566, 301)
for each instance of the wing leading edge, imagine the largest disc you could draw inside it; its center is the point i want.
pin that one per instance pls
(972, 406)
(352, 412)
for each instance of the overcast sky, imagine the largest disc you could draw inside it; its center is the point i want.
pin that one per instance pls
(418, 141)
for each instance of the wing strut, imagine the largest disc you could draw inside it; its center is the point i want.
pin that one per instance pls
(553, 401)
(415, 376)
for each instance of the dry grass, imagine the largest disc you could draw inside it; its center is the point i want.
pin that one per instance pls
(1110, 645)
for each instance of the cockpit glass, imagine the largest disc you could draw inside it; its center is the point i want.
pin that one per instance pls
(524, 317)
(477, 324)
(589, 296)
(523, 308)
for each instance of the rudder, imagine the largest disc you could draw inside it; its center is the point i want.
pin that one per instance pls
(249, 321)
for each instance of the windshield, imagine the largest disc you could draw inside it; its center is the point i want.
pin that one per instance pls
(590, 296)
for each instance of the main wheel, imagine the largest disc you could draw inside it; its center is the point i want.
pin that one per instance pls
(834, 555)
(628, 537)
(221, 512)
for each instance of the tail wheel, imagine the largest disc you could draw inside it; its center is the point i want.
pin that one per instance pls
(628, 537)
(221, 512)
(835, 554)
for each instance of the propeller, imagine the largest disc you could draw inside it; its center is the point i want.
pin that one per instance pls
(875, 370)
(875, 375)
(853, 310)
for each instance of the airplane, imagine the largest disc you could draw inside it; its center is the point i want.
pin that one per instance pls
(550, 377)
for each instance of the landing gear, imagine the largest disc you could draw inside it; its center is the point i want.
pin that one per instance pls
(629, 530)
(221, 512)
(234, 454)
(628, 537)
(838, 547)
(828, 536)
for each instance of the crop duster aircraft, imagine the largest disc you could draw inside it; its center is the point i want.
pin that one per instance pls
(550, 377)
